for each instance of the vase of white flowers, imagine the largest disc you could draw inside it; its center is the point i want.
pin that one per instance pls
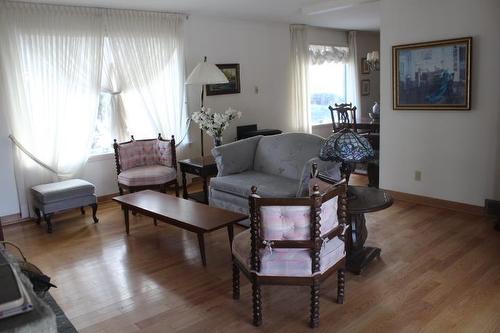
(214, 123)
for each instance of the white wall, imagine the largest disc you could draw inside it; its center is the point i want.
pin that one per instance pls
(262, 50)
(457, 151)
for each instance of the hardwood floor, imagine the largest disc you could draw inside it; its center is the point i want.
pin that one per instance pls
(439, 272)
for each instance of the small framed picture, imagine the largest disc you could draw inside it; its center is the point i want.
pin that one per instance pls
(365, 69)
(232, 72)
(365, 87)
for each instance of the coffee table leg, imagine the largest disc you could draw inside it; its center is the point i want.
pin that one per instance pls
(205, 190)
(125, 213)
(201, 243)
(230, 233)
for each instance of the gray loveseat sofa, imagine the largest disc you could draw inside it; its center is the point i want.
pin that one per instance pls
(279, 165)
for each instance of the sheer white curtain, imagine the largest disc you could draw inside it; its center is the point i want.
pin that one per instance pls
(299, 64)
(50, 60)
(147, 49)
(352, 88)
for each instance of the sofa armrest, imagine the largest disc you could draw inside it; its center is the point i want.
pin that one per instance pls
(330, 169)
(235, 157)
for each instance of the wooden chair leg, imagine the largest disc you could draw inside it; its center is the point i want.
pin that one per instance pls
(314, 321)
(236, 281)
(82, 210)
(94, 212)
(38, 215)
(47, 218)
(340, 286)
(257, 305)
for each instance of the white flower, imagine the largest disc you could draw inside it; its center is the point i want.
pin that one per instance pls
(214, 124)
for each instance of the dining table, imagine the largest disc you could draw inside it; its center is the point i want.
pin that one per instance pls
(363, 123)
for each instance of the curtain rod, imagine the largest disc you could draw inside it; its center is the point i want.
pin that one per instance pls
(94, 7)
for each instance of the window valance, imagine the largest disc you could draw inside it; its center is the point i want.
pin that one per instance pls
(319, 54)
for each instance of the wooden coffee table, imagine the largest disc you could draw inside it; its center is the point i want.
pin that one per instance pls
(182, 213)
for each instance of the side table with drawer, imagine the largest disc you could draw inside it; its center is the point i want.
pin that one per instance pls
(203, 167)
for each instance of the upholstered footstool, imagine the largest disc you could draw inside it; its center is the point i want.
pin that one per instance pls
(55, 197)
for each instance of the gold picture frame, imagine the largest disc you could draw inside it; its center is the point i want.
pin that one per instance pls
(365, 87)
(232, 73)
(365, 68)
(432, 75)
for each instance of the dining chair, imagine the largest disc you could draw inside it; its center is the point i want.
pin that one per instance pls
(343, 115)
(293, 241)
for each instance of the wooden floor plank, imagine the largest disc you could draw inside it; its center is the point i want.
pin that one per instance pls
(439, 272)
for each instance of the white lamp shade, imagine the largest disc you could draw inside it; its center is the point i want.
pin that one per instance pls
(206, 73)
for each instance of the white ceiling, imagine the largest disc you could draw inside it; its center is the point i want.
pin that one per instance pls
(362, 17)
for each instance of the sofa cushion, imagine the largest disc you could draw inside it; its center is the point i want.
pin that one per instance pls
(285, 154)
(147, 175)
(267, 185)
(63, 190)
(163, 153)
(235, 157)
(287, 262)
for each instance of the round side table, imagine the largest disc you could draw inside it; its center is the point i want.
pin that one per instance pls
(361, 200)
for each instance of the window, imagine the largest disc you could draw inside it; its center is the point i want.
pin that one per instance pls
(327, 81)
(101, 143)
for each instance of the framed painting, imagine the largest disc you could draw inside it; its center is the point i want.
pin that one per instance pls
(433, 75)
(365, 69)
(365, 87)
(232, 72)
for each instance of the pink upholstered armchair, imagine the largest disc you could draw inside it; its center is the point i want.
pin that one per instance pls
(293, 241)
(146, 164)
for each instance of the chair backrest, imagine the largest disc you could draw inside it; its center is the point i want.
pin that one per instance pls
(343, 115)
(297, 223)
(135, 153)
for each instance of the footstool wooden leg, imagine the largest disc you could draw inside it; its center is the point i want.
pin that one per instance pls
(94, 211)
(82, 210)
(38, 215)
(47, 218)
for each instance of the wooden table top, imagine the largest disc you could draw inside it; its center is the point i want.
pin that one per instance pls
(364, 199)
(199, 161)
(184, 213)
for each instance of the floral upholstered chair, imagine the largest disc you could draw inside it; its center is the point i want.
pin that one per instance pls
(293, 241)
(146, 164)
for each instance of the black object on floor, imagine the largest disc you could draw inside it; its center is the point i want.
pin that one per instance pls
(63, 323)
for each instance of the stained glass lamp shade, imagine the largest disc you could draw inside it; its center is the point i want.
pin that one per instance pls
(348, 147)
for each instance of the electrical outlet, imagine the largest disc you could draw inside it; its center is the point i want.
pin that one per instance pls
(418, 175)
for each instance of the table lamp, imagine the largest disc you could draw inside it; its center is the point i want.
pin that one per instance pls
(205, 73)
(347, 147)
